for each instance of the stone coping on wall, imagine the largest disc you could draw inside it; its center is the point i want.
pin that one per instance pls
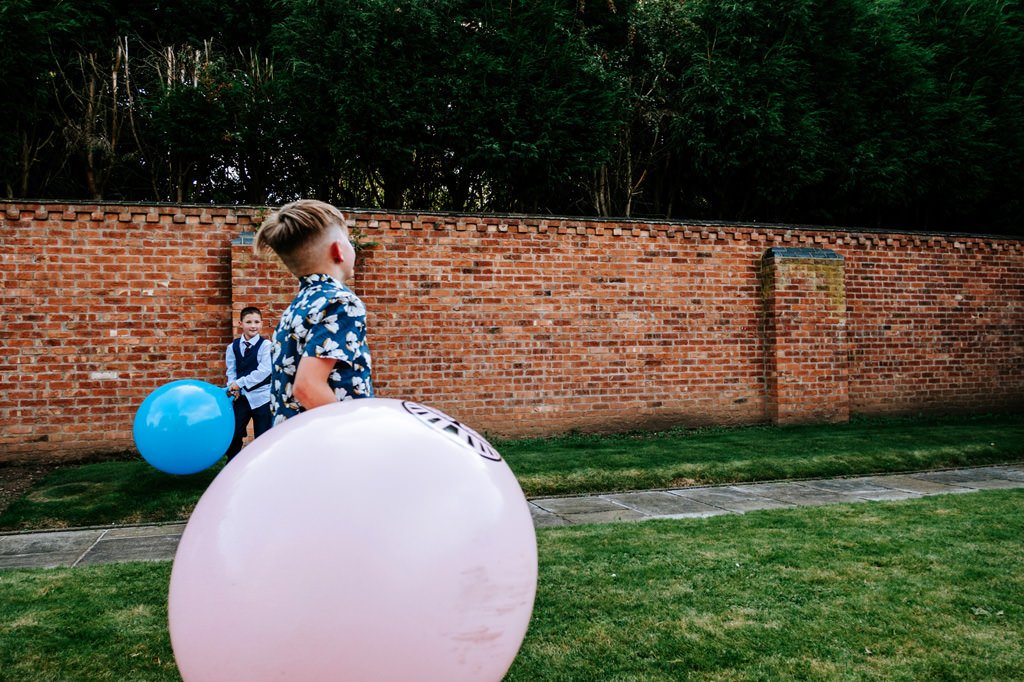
(800, 253)
(375, 217)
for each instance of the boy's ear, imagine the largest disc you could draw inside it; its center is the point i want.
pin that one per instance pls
(337, 255)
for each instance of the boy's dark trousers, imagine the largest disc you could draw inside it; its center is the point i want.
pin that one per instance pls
(261, 422)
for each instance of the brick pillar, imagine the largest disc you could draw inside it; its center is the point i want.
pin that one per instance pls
(806, 361)
(262, 281)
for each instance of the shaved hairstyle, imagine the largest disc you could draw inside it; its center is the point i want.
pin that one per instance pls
(294, 229)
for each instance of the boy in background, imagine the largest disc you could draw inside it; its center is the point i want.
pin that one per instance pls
(320, 354)
(248, 371)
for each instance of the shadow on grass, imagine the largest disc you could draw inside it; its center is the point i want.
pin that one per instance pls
(117, 492)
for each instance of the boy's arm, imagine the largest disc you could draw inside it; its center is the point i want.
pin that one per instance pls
(229, 363)
(310, 387)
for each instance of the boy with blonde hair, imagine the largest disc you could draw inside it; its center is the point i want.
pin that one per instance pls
(319, 352)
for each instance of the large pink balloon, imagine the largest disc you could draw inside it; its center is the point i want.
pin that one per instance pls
(370, 540)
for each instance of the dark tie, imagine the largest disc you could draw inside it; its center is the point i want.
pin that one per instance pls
(247, 345)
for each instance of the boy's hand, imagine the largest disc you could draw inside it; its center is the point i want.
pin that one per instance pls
(233, 390)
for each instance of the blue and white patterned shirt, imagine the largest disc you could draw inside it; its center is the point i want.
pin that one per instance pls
(325, 320)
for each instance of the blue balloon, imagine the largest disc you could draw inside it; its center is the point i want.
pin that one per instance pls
(184, 426)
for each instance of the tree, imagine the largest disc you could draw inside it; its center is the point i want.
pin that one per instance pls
(27, 69)
(863, 112)
(95, 113)
(445, 104)
(186, 120)
(971, 164)
(551, 106)
(885, 113)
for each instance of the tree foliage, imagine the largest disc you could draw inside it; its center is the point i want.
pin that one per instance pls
(887, 113)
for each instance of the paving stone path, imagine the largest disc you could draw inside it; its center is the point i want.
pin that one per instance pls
(88, 546)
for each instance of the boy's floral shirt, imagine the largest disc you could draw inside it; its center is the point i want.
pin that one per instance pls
(326, 320)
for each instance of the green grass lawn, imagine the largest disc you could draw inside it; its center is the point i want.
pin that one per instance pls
(589, 463)
(925, 589)
(133, 492)
(107, 493)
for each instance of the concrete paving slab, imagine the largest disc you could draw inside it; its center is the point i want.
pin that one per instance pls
(658, 503)
(893, 495)
(170, 529)
(46, 549)
(54, 560)
(798, 494)
(139, 548)
(991, 484)
(730, 499)
(866, 488)
(576, 505)
(1009, 472)
(34, 543)
(919, 485)
(622, 514)
(851, 486)
(958, 477)
(545, 519)
(986, 478)
(821, 498)
(587, 509)
(692, 515)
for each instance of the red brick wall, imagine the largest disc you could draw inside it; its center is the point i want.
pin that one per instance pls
(935, 323)
(515, 325)
(100, 305)
(538, 326)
